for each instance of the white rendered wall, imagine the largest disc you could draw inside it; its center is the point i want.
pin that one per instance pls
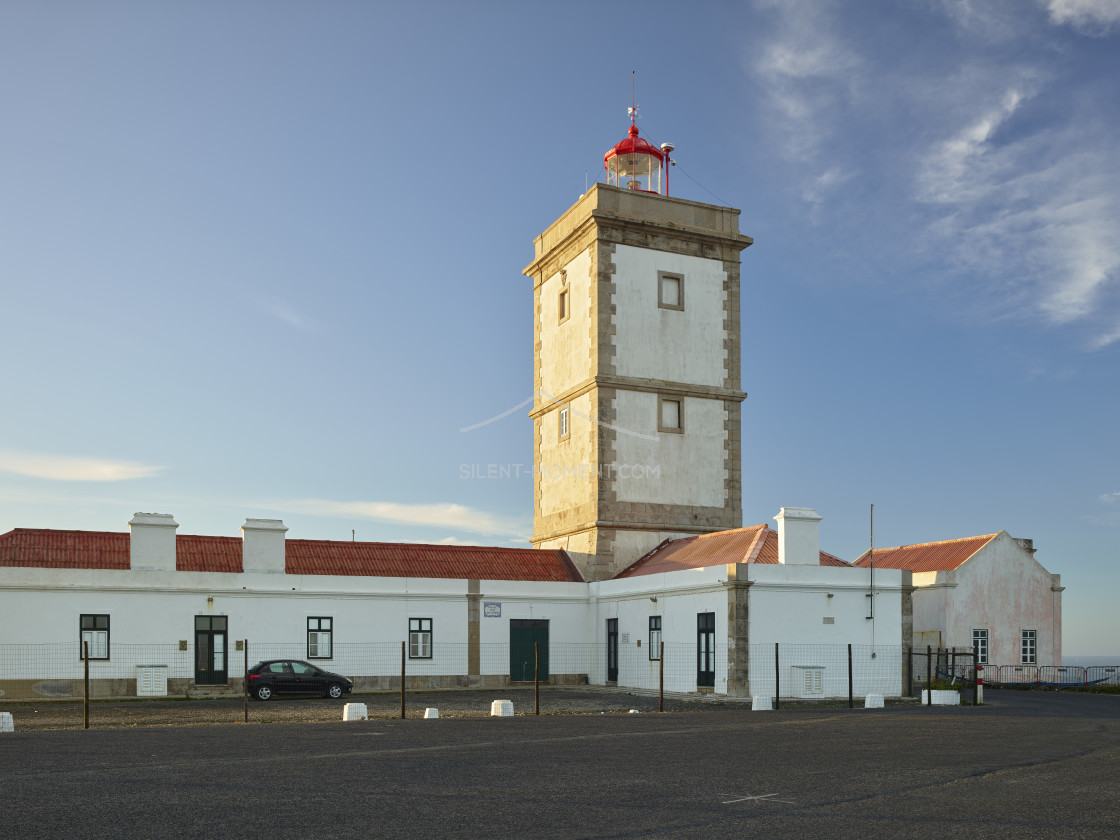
(1004, 589)
(681, 597)
(668, 344)
(565, 358)
(669, 468)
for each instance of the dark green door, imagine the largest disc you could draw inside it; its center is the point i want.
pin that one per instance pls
(523, 632)
(210, 650)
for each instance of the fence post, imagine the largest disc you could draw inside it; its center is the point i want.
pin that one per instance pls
(978, 686)
(777, 680)
(537, 677)
(402, 679)
(851, 697)
(661, 678)
(909, 672)
(929, 675)
(246, 684)
(85, 685)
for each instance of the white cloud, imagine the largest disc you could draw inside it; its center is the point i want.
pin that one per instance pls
(63, 468)
(1086, 17)
(805, 75)
(1110, 498)
(288, 314)
(1034, 211)
(444, 515)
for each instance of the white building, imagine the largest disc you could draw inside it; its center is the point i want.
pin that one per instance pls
(986, 593)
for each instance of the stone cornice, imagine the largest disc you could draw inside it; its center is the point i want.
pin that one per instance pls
(634, 383)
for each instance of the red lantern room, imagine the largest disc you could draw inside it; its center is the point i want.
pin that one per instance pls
(637, 164)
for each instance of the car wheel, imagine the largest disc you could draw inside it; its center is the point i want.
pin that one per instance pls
(334, 691)
(264, 692)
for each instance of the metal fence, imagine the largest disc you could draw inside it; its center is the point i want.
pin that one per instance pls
(780, 671)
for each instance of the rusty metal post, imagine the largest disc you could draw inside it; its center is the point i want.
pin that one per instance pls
(661, 678)
(402, 678)
(85, 683)
(537, 677)
(777, 680)
(246, 683)
(851, 697)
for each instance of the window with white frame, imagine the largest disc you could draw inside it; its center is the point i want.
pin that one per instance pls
(419, 638)
(565, 423)
(1029, 647)
(670, 290)
(980, 646)
(95, 633)
(320, 633)
(670, 414)
(655, 637)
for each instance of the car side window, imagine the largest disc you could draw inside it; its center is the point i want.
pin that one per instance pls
(277, 668)
(300, 668)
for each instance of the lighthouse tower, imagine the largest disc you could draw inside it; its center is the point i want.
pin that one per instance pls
(636, 367)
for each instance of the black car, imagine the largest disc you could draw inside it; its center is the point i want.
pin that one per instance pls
(294, 676)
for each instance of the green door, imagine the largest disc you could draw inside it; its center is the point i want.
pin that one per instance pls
(210, 650)
(523, 633)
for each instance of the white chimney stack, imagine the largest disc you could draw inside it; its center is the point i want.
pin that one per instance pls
(262, 545)
(151, 544)
(799, 536)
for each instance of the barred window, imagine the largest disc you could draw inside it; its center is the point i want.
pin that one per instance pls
(320, 632)
(1029, 647)
(95, 633)
(419, 638)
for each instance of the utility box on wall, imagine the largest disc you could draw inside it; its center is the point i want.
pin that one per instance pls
(808, 680)
(151, 680)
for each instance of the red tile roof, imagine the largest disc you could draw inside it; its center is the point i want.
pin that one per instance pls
(927, 557)
(43, 548)
(46, 548)
(326, 557)
(756, 544)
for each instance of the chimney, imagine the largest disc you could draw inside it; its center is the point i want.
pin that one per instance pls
(1025, 544)
(151, 544)
(799, 536)
(262, 545)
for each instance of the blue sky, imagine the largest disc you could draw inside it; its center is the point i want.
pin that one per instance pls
(263, 259)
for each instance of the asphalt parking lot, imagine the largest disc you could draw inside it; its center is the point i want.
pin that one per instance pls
(1026, 765)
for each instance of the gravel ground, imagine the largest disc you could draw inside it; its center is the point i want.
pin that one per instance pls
(451, 704)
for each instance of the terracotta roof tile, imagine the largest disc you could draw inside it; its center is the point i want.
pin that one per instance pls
(927, 557)
(46, 548)
(464, 562)
(755, 544)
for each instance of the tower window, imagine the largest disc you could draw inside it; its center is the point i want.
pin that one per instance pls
(564, 423)
(564, 305)
(670, 290)
(670, 415)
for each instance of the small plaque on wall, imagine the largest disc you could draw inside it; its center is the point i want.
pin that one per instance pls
(492, 609)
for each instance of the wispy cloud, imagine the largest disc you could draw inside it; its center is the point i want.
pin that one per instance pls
(442, 515)
(286, 313)
(65, 468)
(1035, 212)
(805, 74)
(1087, 17)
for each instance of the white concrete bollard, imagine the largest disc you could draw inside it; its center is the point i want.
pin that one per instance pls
(634, 712)
(501, 708)
(761, 704)
(354, 711)
(7, 724)
(430, 713)
(873, 701)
